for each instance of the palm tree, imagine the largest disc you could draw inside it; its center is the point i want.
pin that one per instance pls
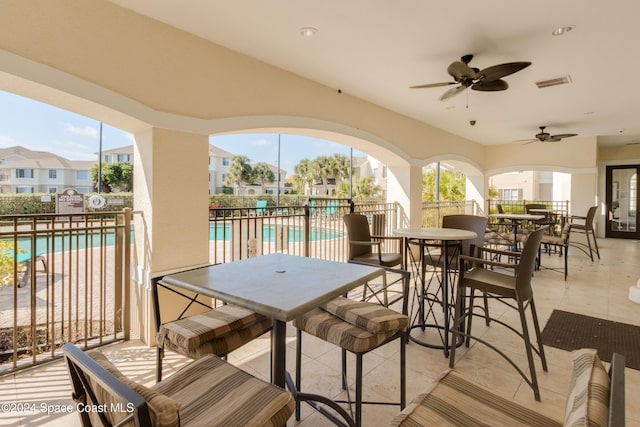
(239, 172)
(304, 170)
(323, 169)
(263, 174)
(364, 188)
(341, 165)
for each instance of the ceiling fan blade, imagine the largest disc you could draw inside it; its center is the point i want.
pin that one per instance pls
(452, 92)
(529, 141)
(432, 85)
(490, 86)
(460, 71)
(498, 71)
(563, 135)
(552, 139)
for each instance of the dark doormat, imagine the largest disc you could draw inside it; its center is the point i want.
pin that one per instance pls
(571, 331)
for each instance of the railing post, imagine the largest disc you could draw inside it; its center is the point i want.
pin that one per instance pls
(126, 302)
(307, 231)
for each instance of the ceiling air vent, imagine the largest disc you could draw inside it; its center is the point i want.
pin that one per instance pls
(554, 82)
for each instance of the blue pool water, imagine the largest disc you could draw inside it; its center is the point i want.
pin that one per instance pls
(216, 232)
(296, 234)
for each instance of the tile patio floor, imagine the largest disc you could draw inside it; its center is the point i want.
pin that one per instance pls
(598, 289)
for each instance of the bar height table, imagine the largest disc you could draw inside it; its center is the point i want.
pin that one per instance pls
(449, 238)
(516, 219)
(277, 285)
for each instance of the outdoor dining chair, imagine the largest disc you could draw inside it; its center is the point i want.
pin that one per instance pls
(584, 225)
(514, 291)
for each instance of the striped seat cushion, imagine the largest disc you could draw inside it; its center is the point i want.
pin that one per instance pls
(372, 317)
(226, 343)
(189, 334)
(454, 401)
(331, 328)
(164, 411)
(214, 393)
(588, 399)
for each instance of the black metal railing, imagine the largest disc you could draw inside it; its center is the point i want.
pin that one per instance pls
(65, 278)
(315, 229)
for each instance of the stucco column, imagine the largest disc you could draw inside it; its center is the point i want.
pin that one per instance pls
(584, 195)
(171, 228)
(404, 185)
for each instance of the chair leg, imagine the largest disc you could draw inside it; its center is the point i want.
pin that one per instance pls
(536, 327)
(344, 369)
(487, 320)
(403, 373)
(586, 233)
(566, 261)
(456, 325)
(298, 370)
(358, 389)
(527, 346)
(595, 243)
(158, 364)
(469, 314)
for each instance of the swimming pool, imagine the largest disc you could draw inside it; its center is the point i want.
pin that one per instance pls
(221, 231)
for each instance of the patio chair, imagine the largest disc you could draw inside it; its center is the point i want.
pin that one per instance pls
(584, 225)
(26, 260)
(595, 398)
(357, 327)
(207, 392)
(217, 331)
(362, 242)
(561, 244)
(513, 290)
(261, 207)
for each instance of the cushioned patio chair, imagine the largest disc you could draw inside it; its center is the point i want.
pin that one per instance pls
(514, 291)
(357, 327)
(217, 331)
(206, 392)
(595, 398)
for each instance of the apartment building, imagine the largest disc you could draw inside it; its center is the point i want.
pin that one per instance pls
(27, 171)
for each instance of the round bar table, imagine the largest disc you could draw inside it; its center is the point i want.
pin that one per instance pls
(450, 239)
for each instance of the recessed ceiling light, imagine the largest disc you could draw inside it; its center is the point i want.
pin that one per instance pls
(563, 30)
(308, 31)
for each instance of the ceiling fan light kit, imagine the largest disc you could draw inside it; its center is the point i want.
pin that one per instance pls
(486, 80)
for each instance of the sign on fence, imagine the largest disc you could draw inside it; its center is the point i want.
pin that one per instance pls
(69, 202)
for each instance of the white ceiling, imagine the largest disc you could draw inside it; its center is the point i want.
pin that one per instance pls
(376, 49)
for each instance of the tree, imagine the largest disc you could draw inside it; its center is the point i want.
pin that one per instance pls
(304, 170)
(452, 185)
(115, 177)
(341, 165)
(263, 174)
(323, 169)
(239, 172)
(364, 187)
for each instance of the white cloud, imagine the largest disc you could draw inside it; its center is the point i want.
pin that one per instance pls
(89, 131)
(260, 141)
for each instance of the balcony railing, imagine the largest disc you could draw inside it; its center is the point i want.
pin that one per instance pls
(64, 279)
(315, 229)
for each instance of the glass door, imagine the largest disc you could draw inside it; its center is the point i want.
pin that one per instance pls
(622, 201)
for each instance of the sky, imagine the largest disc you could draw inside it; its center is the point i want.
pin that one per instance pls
(42, 127)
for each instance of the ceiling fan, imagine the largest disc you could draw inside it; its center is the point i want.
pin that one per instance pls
(487, 80)
(547, 137)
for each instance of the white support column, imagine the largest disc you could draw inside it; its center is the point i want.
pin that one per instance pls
(404, 185)
(172, 231)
